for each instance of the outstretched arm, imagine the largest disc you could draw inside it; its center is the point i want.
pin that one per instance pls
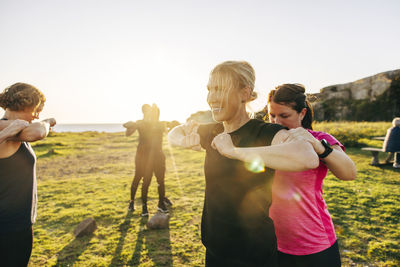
(185, 135)
(295, 155)
(12, 129)
(337, 161)
(130, 127)
(34, 132)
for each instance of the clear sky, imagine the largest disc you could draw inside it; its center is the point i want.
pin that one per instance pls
(99, 61)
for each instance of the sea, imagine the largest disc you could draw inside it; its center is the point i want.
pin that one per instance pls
(95, 127)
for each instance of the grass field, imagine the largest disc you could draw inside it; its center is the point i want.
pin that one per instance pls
(83, 175)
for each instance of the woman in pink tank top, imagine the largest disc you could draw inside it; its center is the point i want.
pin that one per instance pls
(303, 225)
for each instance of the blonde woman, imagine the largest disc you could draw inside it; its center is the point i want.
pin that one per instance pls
(236, 227)
(22, 103)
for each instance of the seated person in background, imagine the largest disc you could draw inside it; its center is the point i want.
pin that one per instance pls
(392, 142)
(149, 157)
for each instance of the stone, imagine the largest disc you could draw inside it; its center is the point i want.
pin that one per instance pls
(158, 221)
(86, 227)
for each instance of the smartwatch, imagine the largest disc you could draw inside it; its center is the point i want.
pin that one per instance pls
(328, 149)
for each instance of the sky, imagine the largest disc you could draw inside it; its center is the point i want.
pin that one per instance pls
(99, 61)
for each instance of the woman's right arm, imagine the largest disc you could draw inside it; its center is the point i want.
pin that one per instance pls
(185, 135)
(34, 132)
(131, 127)
(296, 155)
(13, 128)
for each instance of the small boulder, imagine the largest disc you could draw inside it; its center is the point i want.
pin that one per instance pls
(85, 227)
(158, 221)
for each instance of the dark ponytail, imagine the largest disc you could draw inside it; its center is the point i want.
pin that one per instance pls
(293, 95)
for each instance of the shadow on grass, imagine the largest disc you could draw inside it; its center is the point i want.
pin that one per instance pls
(123, 228)
(156, 242)
(71, 252)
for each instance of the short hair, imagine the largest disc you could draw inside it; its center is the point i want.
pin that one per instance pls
(20, 96)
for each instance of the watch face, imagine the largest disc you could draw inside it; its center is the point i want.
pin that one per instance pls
(325, 143)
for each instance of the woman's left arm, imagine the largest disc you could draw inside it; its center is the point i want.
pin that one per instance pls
(340, 164)
(337, 161)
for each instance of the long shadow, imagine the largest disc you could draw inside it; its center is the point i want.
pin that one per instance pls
(70, 253)
(123, 228)
(156, 242)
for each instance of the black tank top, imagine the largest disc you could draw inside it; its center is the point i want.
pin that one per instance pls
(18, 190)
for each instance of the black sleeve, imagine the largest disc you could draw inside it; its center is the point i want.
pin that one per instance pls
(207, 133)
(269, 131)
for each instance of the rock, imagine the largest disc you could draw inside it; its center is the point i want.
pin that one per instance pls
(158, 221)
(371, 98)
(85, 227)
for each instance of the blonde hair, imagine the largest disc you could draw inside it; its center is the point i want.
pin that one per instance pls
(233, 75)
(20, 96)
(396, 121)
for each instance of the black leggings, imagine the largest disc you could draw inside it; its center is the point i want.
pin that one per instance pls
(145, 167)
(16, 248)
(329, 257)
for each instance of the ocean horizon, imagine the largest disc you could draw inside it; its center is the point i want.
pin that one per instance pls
(85, 127)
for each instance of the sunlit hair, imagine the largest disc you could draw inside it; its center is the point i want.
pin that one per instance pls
(396, 122)
(146, 108)
(21, 96)
(293, 96)
(233, 75)
(155, 112)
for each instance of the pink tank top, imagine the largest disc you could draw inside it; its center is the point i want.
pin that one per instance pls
(302, 222)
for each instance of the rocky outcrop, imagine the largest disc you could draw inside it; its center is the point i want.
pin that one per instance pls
(371, 99)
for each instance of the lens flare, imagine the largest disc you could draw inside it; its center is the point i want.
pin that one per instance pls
(256, 165)
(296, 196)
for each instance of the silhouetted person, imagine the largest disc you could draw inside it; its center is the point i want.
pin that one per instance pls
(149, 157)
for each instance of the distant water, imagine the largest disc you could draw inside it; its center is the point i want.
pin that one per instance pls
(99, 127)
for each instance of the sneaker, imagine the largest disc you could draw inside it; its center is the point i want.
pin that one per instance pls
(131, 206)
(145, 212)
(162, 210)
(167, 202)
(396, 165)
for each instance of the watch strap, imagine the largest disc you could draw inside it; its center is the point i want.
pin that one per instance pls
(327, 151)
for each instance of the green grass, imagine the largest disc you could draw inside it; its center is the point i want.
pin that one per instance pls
(88, 174)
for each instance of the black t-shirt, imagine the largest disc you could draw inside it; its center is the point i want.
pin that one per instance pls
(235, 221)
(150, 135)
